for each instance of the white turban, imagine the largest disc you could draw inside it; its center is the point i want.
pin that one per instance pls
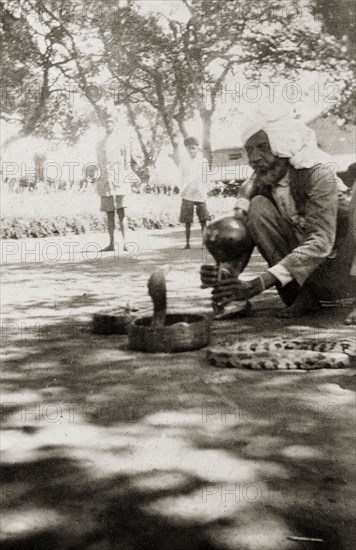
(289, 138)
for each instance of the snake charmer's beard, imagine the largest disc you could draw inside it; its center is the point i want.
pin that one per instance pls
(273, 174)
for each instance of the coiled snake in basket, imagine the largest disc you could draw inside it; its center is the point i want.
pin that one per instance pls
(284, 354)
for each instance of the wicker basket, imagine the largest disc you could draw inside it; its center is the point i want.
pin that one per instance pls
(182, 332)
(115, 321)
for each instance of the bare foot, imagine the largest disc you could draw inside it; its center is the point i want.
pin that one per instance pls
(125, 248)
(187, 247)
(109, 248)
(351, 318)
(305, 303)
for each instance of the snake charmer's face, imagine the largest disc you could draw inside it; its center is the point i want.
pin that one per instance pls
(265, 164)
(259, 153)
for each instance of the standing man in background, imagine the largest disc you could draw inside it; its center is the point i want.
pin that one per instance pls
(113, 184)
(192, 188)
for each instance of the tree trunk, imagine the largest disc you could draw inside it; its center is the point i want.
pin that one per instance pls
(167, 118)
(181, 123)
(144, 149)
(176, 155)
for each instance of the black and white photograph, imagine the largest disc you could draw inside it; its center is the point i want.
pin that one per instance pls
(178, 274)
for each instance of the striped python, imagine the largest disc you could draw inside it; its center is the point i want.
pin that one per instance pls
(284, 354)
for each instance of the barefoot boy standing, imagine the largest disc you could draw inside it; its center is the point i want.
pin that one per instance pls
(193, 189)
(113, 185)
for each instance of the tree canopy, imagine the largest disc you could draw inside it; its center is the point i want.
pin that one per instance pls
(339, 20)
(162, 69)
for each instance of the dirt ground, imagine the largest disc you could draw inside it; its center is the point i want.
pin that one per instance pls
(104, 448)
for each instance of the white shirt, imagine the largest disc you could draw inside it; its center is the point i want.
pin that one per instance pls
(283, 198)
(285, 203)
(192, 186)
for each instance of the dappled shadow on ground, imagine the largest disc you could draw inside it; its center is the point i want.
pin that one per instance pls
(104, 448)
